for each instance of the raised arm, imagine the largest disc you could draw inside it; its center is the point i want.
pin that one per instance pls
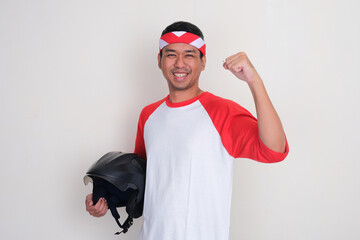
(270, 128)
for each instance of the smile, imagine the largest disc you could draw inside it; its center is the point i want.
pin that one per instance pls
(180, 75)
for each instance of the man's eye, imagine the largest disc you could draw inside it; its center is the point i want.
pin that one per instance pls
(170, 55)
(189, 55)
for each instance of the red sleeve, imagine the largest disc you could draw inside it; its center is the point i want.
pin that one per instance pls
(240, 136)
(139, 142)
(239, 132)
(140, 147)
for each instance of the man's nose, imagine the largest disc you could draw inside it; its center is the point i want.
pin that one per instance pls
(179, 62)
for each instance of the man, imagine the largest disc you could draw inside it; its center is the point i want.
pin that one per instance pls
(190, 139)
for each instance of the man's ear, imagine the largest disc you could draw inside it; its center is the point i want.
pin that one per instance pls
(159, 60)
(203, 63)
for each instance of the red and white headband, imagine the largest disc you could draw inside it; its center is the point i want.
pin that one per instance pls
(183, 37)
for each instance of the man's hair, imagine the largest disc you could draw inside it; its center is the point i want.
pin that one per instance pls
(183, 26)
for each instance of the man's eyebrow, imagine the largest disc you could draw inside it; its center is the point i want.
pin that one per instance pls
(187, 51)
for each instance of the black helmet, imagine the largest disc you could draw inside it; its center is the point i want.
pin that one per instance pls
(120, 179)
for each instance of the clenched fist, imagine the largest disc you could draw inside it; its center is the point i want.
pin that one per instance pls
(97, 210)
(240, 65)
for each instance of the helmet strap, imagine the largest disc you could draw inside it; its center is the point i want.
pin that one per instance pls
(128, 222)
(125, 226)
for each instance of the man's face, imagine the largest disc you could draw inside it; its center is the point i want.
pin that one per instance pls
(181, 66)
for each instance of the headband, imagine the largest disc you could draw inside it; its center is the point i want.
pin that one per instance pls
(182, 37)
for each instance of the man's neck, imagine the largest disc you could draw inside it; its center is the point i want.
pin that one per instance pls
(181, 96)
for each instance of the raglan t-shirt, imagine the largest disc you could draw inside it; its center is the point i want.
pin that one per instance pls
(189, 148)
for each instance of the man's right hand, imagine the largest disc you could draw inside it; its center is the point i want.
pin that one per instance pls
(97, 210)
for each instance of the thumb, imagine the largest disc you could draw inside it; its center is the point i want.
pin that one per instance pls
(89, 200)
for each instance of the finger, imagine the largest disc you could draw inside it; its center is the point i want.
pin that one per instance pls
(95, 212)
(100, 203)
(102, 211)
(234, 57)
(89, 207)
(235, 66)
(88, 200)
(88, 197)
(102, 207)
(93, 209)
(88, 204)
(232, 63)
(229, 63)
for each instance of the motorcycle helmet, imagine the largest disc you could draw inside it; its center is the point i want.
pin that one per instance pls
(120, 179)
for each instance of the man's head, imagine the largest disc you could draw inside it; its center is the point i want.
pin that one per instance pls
(182, 56)
(186, 27)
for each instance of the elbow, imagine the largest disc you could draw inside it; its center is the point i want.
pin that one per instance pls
(279, 146)
(275, 152)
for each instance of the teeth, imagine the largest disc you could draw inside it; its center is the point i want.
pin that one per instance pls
(180, 74)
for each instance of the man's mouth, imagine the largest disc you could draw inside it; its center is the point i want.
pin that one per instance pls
(180, 75)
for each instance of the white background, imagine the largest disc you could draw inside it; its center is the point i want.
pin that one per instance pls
(75, 74)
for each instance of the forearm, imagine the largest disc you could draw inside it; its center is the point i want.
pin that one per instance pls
(270, 128)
